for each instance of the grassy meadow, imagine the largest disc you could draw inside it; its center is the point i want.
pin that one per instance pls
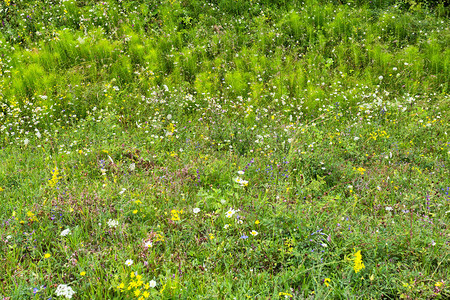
(222, 149)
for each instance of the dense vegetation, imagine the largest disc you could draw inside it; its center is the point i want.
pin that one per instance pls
(224, 149)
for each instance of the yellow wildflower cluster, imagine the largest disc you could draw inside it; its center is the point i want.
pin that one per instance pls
(176, 214)
(159, 238)
(31, 216)
(286, 295)
(360, 170)
(55, 178)
(358, 263)
(7, 2)
(136, 286)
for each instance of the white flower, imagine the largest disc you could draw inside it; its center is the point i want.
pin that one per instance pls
(196, 210)
(241, 181)
(122, 191)
(132, 167)
(254, 233)
(230, 213)
(148, 244)
(129, 262)
(433, 243)
(26, 141)
(65, 232)
(152, 283)
(112, 223)
(226, 226)
(380, 77)
(241, 172)
(223, 201)
(389, 208)
(324, 245)
(394, 68)
(64, 290)
(356, 138)
(169, 116)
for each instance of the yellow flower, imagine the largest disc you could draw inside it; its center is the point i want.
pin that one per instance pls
(176, 214)
(286, 295)
(257, 222)
(439, 284)
(327, 281)
(47, 255)
(1, 189)
(135, 211)
(121, 286)
(146, 294)
(211, 236)
(358, 263)
(361, 170)
(137, 292)
(83, 273)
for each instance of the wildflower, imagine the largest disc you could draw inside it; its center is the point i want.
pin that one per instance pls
(146, 294)
(55, 178)
(327, 281)
(122, 191)
(135, 211)
(65, 232)
(47, 255)
(361, 170)
(241, 181)
(226, 226)
(152, 283)
(230, 213)
(129, 262)
(257, 222)
(389, 208)
(132, 167)
(380, 77)
(254, 233)
(26, 141)
(244, 237)
(439, 284)
(358, 263)
(82, 273)
(241, 172)
(112, 223)
(286, 295)
(121, 286)
(64, 290)
(148, 244)
(433, 243)
(1, 189)
(211, 236)
(137, 292)
(196, 210)
(176, 214)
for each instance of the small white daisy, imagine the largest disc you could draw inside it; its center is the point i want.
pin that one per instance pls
(129, 262)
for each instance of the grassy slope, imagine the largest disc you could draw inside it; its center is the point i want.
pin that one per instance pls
(337, 114)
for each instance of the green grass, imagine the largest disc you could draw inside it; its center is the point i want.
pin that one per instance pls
(229, 149)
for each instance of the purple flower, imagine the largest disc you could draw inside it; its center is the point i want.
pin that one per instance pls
(244, 237)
